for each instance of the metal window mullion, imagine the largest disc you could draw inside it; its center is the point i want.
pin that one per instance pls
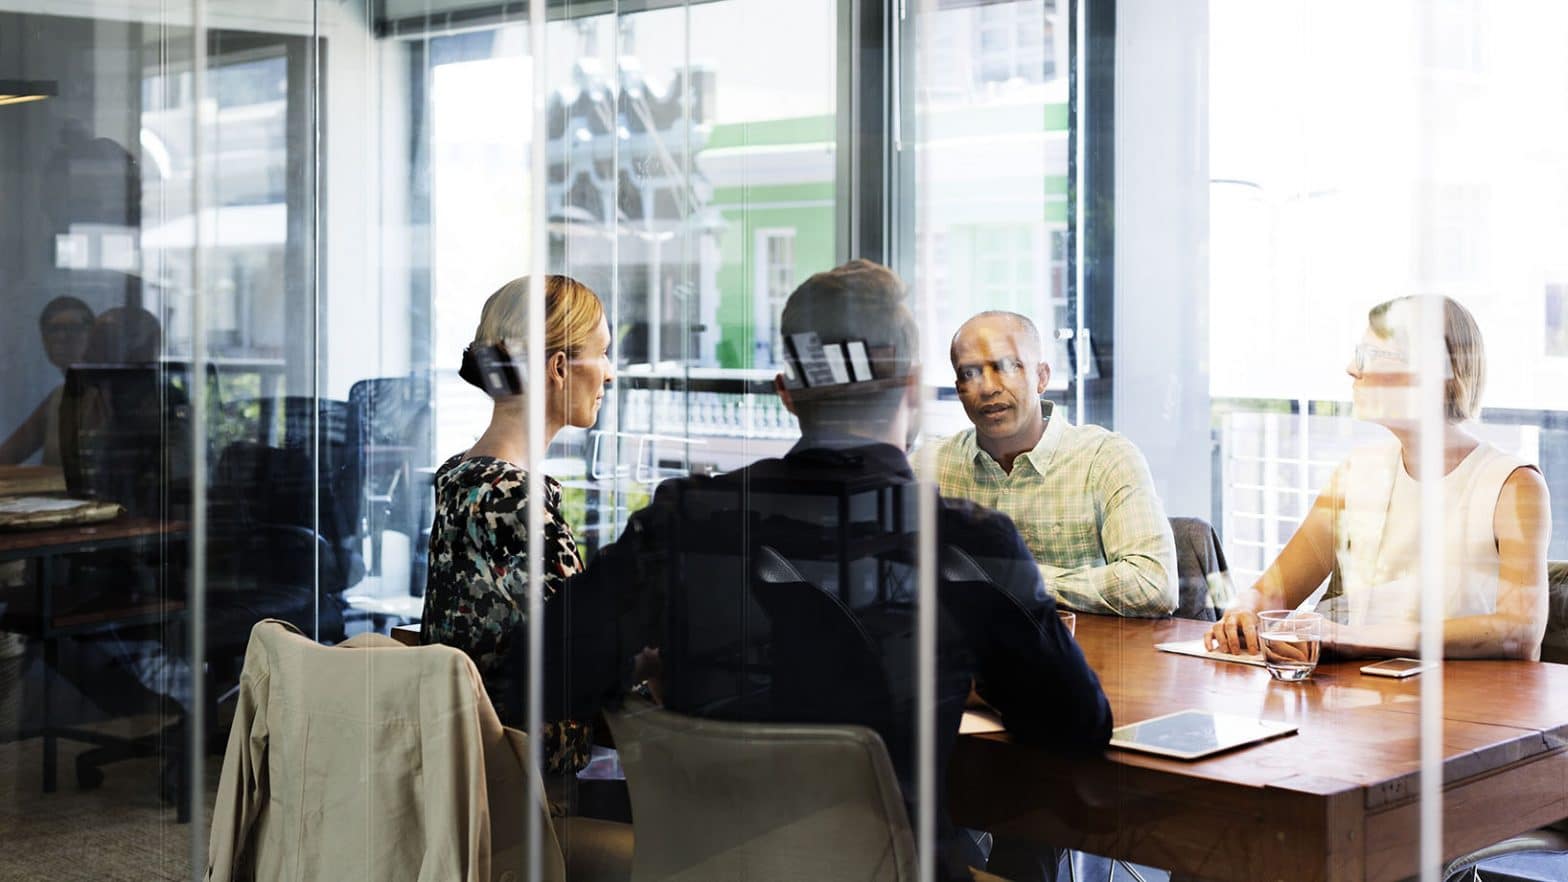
(538, 251)
(1075, 139)
(197, 587)
(926, 509)
(867, 71)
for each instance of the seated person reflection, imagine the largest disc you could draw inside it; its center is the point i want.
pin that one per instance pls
(124, 335)
(687, 576)
(1081, 496)
(476, 595)
(125, 421)
(1364, 531)
(65, 324)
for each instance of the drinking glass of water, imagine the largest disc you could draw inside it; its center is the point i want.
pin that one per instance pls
(1291, 642)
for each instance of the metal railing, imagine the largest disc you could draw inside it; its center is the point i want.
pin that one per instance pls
(1277, 455)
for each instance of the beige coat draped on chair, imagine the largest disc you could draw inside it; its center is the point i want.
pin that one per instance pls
(369, 760)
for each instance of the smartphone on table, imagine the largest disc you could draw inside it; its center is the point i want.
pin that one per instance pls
(1398, 668)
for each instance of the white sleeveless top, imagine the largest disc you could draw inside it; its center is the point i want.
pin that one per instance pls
(51, 454)
(1378, 536)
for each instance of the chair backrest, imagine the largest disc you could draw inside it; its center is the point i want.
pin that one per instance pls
(125, 437)
(300, 490)
(823, 665)
(394, 411)
(326, 430)
(760, 801)
(393, 421)
(1554, 645)
(985, 614)
(1202, 574)
(813, 545)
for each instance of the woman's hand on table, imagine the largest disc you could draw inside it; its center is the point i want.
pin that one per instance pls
(1236, 633)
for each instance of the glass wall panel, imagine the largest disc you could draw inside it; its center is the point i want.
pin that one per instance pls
(436, 322)
(1324, 410)
(162, 462)
(1226, 244)
(95, 679)
(989, 207)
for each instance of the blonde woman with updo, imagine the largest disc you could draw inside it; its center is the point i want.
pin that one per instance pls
(476, 593)
(1364, 531)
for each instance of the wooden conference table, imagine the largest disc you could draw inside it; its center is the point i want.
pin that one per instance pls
(1338, 800)
(43, 619)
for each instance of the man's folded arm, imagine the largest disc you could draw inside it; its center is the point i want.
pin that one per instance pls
(1139, 576)
(1134, 586)
(1046, 692)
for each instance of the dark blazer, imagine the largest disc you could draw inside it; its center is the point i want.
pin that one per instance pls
(786, 591)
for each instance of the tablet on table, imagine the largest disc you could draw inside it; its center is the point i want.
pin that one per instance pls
(1191, 734)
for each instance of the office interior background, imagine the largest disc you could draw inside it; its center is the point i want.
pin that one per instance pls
(1196, 200)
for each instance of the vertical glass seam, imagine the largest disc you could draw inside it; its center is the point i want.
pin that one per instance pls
(534, 418)
(925, 606)
(197, 583)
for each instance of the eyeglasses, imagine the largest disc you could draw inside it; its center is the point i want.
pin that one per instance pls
(62, 329)
(1366, 355)
(1006, 367)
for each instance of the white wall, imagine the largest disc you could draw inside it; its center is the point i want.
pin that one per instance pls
(1161, 383)
(365, 311)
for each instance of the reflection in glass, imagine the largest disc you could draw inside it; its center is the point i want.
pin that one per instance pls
(1363, 534)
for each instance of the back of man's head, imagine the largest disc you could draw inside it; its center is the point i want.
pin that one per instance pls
(859, 300)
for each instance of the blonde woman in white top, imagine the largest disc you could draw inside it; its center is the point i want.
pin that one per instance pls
(1363, 530)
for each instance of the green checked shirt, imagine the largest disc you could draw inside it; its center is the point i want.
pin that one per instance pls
(1084, 502)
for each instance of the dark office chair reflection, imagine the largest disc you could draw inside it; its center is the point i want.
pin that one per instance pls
(285, 525)
(816, 640)
(820, 635)
(125, 430)
(283, 533)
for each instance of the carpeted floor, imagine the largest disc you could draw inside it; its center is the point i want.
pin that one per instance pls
(120, 831)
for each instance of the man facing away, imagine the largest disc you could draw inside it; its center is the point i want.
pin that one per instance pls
(687, 578)
(1081, 496)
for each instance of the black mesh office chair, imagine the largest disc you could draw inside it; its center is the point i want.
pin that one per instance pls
(822, 662)
(815, 593)
(125, 437)
(392, 416)
(285, 525)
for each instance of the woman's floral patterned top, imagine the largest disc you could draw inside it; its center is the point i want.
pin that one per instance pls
(475, 595)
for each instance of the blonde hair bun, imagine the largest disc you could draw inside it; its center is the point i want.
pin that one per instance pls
(572, 312)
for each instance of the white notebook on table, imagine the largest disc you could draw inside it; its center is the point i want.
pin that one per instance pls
(1195, 648)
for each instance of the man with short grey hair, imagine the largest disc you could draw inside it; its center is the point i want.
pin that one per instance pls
(1081, 496)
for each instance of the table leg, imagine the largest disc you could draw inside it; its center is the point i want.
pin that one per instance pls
(51, 745)
(51, 667)
(195, 739)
